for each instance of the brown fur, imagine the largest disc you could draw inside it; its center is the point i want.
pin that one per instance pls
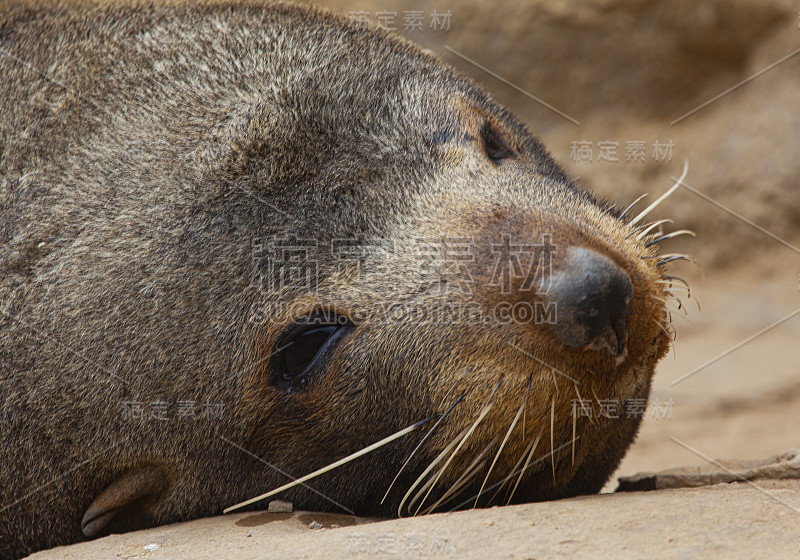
(144, 153)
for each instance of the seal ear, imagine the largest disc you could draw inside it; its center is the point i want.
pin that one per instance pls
(120, 495)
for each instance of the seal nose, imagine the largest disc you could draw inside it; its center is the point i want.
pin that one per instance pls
(591, 294)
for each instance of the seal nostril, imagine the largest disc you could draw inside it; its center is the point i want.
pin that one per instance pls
(592, 295)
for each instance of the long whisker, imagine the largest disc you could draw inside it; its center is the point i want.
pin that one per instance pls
(527, 392)
(454, 385)
(486, 408)
(670, 236)
(631, 205)
(514, 470)
(468, 474)
(685, 318)
(679, 303)
(664, 196)
(456, 489)
(664, 329)
(676, 257)
(555, 381)
(480, 418)
(425, 473)
(649, 227)
(514, 473)
(678, 278)
(665, 256)
(671, 286)
(608, 210)
(502, 446)
(424, 439)
(671, 334)
(332, 466)
(671, 294)
(527, 462)
(580, 399)
(635, 231)
(685, 288)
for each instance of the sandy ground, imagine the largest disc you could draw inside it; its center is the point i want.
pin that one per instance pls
(745, 404)
(739, 521)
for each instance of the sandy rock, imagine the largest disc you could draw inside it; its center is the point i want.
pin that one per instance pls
(723, 521)
(783, 466)
(280, 506)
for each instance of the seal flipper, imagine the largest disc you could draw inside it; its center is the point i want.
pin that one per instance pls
(118, 496)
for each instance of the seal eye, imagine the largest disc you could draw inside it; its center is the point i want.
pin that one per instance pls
(304, 346)
(493, 144)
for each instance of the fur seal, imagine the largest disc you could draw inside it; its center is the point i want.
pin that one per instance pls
(243, 241)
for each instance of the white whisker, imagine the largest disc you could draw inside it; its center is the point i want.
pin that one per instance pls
(514, 472)
(527, 392)
(664, 196)
(430, 467)
(670, 236)
(580, 400)
(468, 474)
(530, 453)
(649, 228)
(330, 467)
(500, 450)
(672, 255)
(475, 424)
(424, 439)
(678, 278)
(631, 205)
(431, 483)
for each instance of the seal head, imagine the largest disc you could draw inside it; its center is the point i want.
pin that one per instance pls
(242, 242)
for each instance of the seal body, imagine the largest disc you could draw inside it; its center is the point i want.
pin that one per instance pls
(240, 242)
